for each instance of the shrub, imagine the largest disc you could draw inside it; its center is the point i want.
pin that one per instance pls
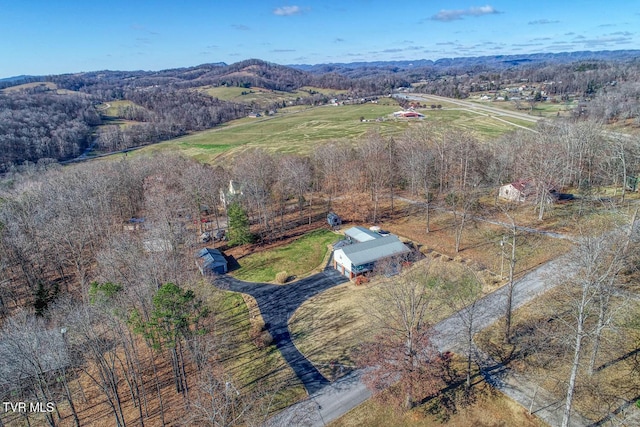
(256, 329)
(361, 280)
(260, 336)
(264, 340)
(282, 277)
(424, 250)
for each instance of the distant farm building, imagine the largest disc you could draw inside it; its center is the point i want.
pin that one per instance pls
(211, 260)
(408, 114)
(362, 249)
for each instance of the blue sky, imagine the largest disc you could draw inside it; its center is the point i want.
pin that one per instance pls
(62, 36)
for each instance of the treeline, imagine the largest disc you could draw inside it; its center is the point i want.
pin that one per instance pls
(581, 79)
(36, 125)
(164, 114)
(618, 102)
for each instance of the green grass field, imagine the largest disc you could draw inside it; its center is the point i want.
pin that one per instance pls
(297, 258)
(300, 129)
(262, 97)
(543, 109)
(111, 109)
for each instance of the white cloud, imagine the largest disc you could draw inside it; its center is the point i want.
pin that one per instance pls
(287, 10)
(543, 22)
(447, 15)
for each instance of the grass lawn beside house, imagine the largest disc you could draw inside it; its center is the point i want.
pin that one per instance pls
(299, 258)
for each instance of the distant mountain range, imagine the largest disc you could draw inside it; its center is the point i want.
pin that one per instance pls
(496, 61)
(17, 78)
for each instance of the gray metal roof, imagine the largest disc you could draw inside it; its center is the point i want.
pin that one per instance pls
(361, 234)
(374, 250)
(212, 258)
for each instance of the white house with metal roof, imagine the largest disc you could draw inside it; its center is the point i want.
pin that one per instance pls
(358, 258)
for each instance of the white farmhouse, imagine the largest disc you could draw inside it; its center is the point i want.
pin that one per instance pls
(516, 191)
(526, 191)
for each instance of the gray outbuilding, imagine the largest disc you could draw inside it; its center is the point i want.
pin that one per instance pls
(210, 260)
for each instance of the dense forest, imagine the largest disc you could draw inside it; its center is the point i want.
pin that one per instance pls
(36, 125)
(38, 122)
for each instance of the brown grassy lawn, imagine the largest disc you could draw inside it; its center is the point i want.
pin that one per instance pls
(330, 326)
(48, 85)
(490, 409)
(247, 363)
(480, 245)
(617, 373)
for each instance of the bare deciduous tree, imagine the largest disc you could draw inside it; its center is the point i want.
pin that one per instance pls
(596, 264)
(373, 154)
(255, 170)
(403, 355)
(418, 166)
(461, 291)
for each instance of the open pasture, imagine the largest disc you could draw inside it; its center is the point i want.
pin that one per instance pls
(32, 85)
(262, 97)
(300, 130)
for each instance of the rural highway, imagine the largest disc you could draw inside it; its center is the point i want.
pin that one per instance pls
(478, 108)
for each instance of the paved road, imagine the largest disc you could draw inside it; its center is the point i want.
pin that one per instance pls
(277, 303)
(490, 308)
(328, 401)
(338, 398)
(492, 111)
